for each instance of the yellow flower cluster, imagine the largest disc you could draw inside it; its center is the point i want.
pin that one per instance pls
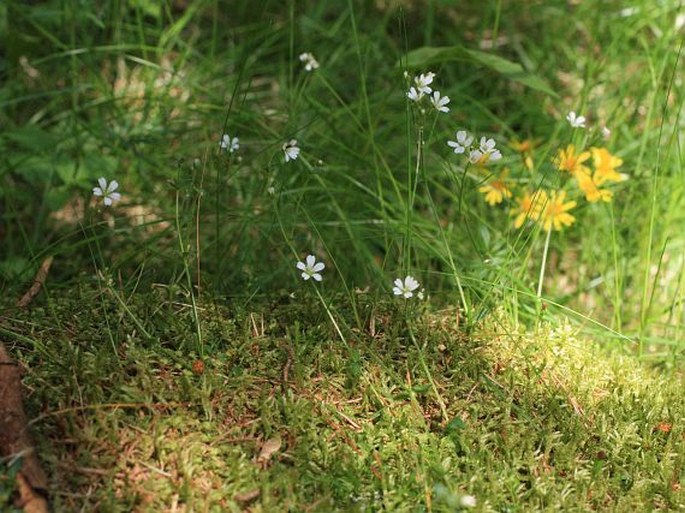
(550, 209)
(590, 181)
(592, 170)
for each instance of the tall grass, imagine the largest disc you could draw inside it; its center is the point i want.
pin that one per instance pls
(143, 92)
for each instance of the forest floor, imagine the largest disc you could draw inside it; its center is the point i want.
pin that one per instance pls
(281, 415)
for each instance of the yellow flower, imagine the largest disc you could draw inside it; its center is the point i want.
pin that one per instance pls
(529, 206)
(605, 166)
(496, 190)
(567, 160)
(555, 214)
(590, 187)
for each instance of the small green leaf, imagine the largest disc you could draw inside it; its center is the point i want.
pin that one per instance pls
(32, 137)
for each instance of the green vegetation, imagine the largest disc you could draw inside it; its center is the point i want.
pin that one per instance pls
(175, 359)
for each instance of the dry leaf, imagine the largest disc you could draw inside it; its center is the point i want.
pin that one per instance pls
(29, 500)
(246, 497)
(270, 447)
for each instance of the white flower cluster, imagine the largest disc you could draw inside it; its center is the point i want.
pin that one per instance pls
(310, 268)
(310, 63)
(484, 152)
(422, 87)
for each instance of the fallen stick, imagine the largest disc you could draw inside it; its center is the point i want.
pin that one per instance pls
(38, 283)
(15, 440)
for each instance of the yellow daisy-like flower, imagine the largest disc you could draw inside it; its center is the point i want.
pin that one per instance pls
(605, 165)
(497, 190)
(529, 206)
(567, 160)
(555, 214)
(590, 187)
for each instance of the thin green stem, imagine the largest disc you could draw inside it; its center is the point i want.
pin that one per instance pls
(429, 375)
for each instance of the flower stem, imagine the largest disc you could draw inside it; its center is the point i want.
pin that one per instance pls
(544, 261)
(330, 316)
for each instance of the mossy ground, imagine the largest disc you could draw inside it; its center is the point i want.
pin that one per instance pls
(404, 419)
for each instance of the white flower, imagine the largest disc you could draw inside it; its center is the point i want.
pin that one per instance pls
(310, 63)
(495, 155)
(230, 144)
(423, 82)
(405, 289)
(414, 95)
(311, 269)
(291, 150)
(485, 148)
(487, 145)
(606, 133)
(106, 190)
(575, 121)
(463, 141)
(475, 156)
(440, 102)
(467, 501)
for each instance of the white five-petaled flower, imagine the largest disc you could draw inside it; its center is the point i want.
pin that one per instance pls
(423, 82)
(487, 149)
(310, 63)
(311, 269)
(440, 102)
(475, 156)
(405, 289)
(487, 145)
(575, 121)
(106, 190)
(229, 144)
(463, 142)
(414, 95)
(291, 150)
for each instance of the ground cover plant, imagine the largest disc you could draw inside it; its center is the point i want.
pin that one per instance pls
(319, 256)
